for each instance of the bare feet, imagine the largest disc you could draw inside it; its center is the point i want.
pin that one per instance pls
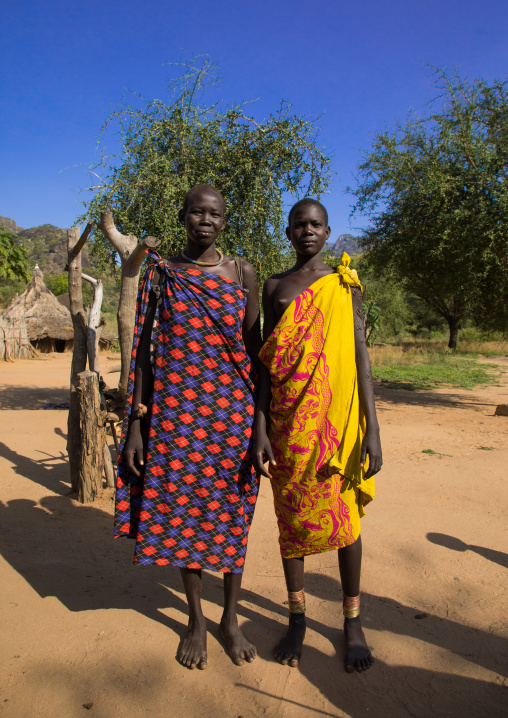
(240, 649)
(192, 649)
(288, 650)
(358, 655)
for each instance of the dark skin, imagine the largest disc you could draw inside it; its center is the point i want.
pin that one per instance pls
(204, 220)
(308, 232)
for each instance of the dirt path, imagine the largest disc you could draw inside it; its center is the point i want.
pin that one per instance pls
(82, 625)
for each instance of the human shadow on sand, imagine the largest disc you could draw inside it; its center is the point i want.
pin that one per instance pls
(456, 544)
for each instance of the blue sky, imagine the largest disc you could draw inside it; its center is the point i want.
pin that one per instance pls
(66, 66)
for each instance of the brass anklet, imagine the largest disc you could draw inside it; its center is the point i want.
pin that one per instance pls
(296, 601)
(351, 606)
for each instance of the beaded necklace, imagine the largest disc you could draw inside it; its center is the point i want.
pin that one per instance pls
(204, 264)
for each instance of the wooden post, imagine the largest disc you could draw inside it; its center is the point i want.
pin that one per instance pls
(75, 244)
(93, 438)
(109, 471)
(94, 328)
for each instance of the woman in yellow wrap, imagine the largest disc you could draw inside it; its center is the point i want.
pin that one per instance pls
(316, 423)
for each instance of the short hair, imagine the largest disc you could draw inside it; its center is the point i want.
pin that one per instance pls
(304, 201)
(198, 188)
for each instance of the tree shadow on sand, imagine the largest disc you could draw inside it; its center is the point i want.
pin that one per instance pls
(31, 397)
(50, 471)
(456, 544)
(419, 397)
(67, 551)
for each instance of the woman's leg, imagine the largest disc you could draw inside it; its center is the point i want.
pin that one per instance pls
(239, 647)
(192, 649)
(289, 649)
(358, 655)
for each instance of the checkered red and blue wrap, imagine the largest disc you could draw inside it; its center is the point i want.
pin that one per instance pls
(194, 502)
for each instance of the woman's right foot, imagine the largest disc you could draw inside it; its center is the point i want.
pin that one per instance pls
(288, 650)
(192, 649)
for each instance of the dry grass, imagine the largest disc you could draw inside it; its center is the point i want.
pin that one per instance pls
(409, 353)
(429, 365)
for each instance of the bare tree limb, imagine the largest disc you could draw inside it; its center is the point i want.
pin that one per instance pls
(132, 255)
(123, 243)
(78, 242)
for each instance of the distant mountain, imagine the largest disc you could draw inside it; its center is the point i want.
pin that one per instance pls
(10, 225)
(46, 246)
(345, 243)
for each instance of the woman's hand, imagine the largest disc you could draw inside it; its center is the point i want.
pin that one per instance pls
(371, 445)
(142, 411)
(263, 453)
(134, 449)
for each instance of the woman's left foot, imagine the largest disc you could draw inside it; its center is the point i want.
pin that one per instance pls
(240, 649)
(358, 656)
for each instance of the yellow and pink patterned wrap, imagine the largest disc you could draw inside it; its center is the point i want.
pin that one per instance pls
(316, 419)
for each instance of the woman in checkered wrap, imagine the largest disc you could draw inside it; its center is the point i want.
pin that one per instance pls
(186, 489)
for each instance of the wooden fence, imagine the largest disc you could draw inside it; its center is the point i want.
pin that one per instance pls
(14, 343)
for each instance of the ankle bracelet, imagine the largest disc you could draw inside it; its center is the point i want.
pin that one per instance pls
(351, 606)
(296, 601)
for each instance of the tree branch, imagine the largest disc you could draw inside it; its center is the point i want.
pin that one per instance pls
(78, 244)
(124, 244)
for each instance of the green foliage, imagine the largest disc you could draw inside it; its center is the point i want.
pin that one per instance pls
(58, 284)
(168, 148)
(13, 258)
(436, 193)
(372, 320)
(433, 371)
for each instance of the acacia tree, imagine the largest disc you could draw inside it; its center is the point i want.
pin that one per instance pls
(168, 148)
(13, 258)
(435, 191)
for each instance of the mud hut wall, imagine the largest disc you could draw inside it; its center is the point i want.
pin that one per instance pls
(14, 342)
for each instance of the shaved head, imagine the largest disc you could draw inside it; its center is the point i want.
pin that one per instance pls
(306, 201)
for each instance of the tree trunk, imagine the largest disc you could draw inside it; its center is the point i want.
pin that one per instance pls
(132, 255)
(453, 324)
(93, 438)
(74, 245)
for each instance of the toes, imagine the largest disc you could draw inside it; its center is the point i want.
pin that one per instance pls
(202, 665)
(294, 662)
(349, 668)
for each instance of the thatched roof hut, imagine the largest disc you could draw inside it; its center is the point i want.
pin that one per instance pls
(49, 323)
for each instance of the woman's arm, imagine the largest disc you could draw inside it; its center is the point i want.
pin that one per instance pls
(371, 444)
(251, 327)
(143, 390)
(262, 447)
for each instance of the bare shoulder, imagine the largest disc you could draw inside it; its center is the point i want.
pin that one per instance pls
(248, 269)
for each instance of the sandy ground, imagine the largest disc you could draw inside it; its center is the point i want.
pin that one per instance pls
(82, 629)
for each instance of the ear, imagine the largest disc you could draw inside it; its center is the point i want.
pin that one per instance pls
(288, 232)
(181, 216)
(328, 231)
